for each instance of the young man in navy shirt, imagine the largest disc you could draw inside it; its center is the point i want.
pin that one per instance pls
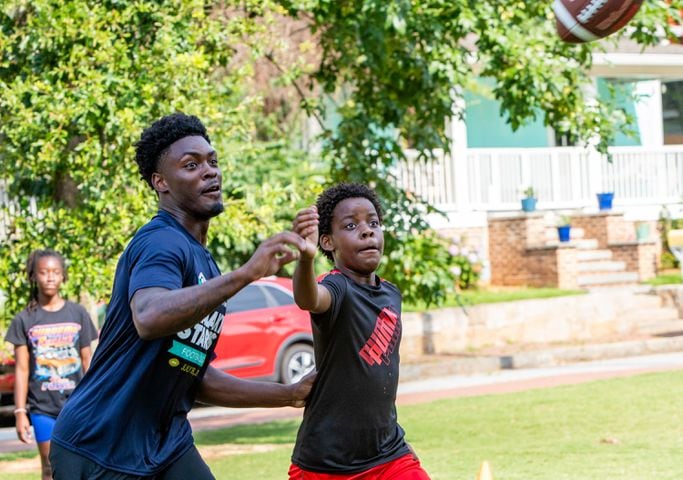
(350, 429)
(127, 419)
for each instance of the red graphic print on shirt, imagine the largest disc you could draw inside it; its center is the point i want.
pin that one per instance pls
(383, 339)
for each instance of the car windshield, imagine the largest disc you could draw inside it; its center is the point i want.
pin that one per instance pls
(256, 296)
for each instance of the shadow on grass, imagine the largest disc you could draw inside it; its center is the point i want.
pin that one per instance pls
(280, 432)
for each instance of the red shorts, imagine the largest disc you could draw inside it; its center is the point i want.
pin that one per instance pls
(406, 467)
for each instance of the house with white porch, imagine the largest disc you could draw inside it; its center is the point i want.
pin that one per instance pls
(478, 184)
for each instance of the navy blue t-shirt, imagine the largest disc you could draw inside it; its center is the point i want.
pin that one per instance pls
(350, 423)
(129, 413)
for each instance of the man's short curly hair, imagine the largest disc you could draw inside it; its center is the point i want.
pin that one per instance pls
(331, 197)
(156, 139)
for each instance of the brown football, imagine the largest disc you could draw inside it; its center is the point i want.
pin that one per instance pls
(580, 21)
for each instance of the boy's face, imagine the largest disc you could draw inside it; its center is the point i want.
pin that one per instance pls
(357, 240)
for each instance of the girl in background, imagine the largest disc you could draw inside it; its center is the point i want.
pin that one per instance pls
(51, 339)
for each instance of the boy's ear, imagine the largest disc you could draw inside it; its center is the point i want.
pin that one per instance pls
(326, 242)
(159, 183)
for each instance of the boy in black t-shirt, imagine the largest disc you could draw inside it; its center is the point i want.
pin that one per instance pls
(350, 426)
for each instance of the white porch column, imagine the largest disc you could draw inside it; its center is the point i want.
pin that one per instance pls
(649, 113)
(458, 135)
(594, 158)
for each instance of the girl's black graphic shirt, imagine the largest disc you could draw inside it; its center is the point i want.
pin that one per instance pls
(350, 422)
(54, 340)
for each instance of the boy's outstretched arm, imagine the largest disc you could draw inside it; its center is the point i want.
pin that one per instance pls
(308, 295)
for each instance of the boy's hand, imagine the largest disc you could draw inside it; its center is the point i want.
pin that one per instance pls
(273, 253)
(306, 225)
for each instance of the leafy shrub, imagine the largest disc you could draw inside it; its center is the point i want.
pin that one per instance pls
(666, 223)
(426, 270)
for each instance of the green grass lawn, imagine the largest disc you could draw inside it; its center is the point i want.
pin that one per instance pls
(669, 278)
(626, 429)
(621, 429)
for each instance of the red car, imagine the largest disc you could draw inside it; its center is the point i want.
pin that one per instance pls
(265, 335)
(6, 387)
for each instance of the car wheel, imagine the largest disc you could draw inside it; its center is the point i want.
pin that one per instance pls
(296, 362)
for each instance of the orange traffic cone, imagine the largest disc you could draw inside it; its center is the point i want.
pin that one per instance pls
(485, 472)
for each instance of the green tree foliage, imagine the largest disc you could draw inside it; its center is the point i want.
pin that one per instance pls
(79, 80)
(396, 68)
(401, 62)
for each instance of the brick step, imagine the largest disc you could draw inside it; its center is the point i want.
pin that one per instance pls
(590, 255)
(619, 278)
(601, 266)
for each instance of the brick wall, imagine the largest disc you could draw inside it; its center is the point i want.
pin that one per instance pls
(507, 243)
(639, 257)
(605, 227)
(519, 255)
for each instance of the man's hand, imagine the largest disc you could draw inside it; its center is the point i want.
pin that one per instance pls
(222, 389)
(306, 225)
(273, 253)
(302, 389)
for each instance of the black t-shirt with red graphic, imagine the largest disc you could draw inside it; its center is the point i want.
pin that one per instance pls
(350, 422)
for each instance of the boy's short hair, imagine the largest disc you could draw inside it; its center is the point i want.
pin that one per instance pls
(331, 197)
(156, 139)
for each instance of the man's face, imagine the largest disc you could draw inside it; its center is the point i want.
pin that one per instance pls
(357, 240)
(189, 178)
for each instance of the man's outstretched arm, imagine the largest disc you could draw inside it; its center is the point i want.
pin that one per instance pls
(158, 312)
(219, 388)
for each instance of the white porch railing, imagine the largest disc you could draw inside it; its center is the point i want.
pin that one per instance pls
(563, 177)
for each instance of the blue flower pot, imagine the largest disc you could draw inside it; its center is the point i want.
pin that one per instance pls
(563, 232)
(605, 200)
(529, 204)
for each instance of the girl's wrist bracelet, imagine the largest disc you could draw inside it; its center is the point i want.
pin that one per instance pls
(19, 410)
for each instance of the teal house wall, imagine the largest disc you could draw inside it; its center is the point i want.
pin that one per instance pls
(486, 128)
(622, 94)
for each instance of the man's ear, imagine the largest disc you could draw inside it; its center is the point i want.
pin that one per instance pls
(159, 183)
(326, 242)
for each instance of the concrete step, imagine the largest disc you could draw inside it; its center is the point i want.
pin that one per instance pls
(632, 297)
(670, 328)
(670, 295)
(590, 280)
(586, 243)
(590, 255)
(601, 266)
(579, 244)
(650, 319)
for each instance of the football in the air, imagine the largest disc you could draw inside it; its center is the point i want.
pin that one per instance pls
(580, 21)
